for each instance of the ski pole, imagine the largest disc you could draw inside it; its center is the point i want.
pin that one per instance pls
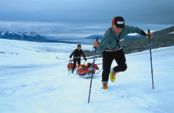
(90, 86)
(151, 59)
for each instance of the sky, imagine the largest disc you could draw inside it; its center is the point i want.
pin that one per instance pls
(135, 11)
(82, 17)
(41, 83)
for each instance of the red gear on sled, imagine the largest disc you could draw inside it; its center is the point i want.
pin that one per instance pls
(83, 69)
(95, 66)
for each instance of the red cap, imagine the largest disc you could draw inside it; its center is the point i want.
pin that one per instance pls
(118, 21)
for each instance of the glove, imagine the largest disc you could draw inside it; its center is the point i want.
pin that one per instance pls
(85, 59)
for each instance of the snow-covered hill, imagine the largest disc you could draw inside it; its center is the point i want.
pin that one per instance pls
(34, 79)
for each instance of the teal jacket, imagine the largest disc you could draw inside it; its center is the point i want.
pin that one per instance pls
(111, 41)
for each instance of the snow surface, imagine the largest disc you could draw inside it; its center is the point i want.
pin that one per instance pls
(34, 79)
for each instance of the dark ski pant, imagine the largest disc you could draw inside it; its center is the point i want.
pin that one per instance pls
(108, 57)
(75, 60)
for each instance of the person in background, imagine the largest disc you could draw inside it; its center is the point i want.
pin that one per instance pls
(111, 48)
(77, 53)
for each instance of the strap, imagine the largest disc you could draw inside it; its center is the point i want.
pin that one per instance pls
(117, 40)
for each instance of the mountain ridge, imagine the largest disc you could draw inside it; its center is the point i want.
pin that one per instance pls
(24, 36)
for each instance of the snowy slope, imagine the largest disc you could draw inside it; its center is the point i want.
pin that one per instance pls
(34, 79)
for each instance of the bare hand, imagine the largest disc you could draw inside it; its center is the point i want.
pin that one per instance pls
(96, 44)
(149, 35)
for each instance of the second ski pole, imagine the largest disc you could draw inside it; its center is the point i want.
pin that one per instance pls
(90, 86)
(151, 59)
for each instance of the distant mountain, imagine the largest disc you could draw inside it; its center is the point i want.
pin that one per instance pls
(90, 39)
(93, 37)
(26, 36)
